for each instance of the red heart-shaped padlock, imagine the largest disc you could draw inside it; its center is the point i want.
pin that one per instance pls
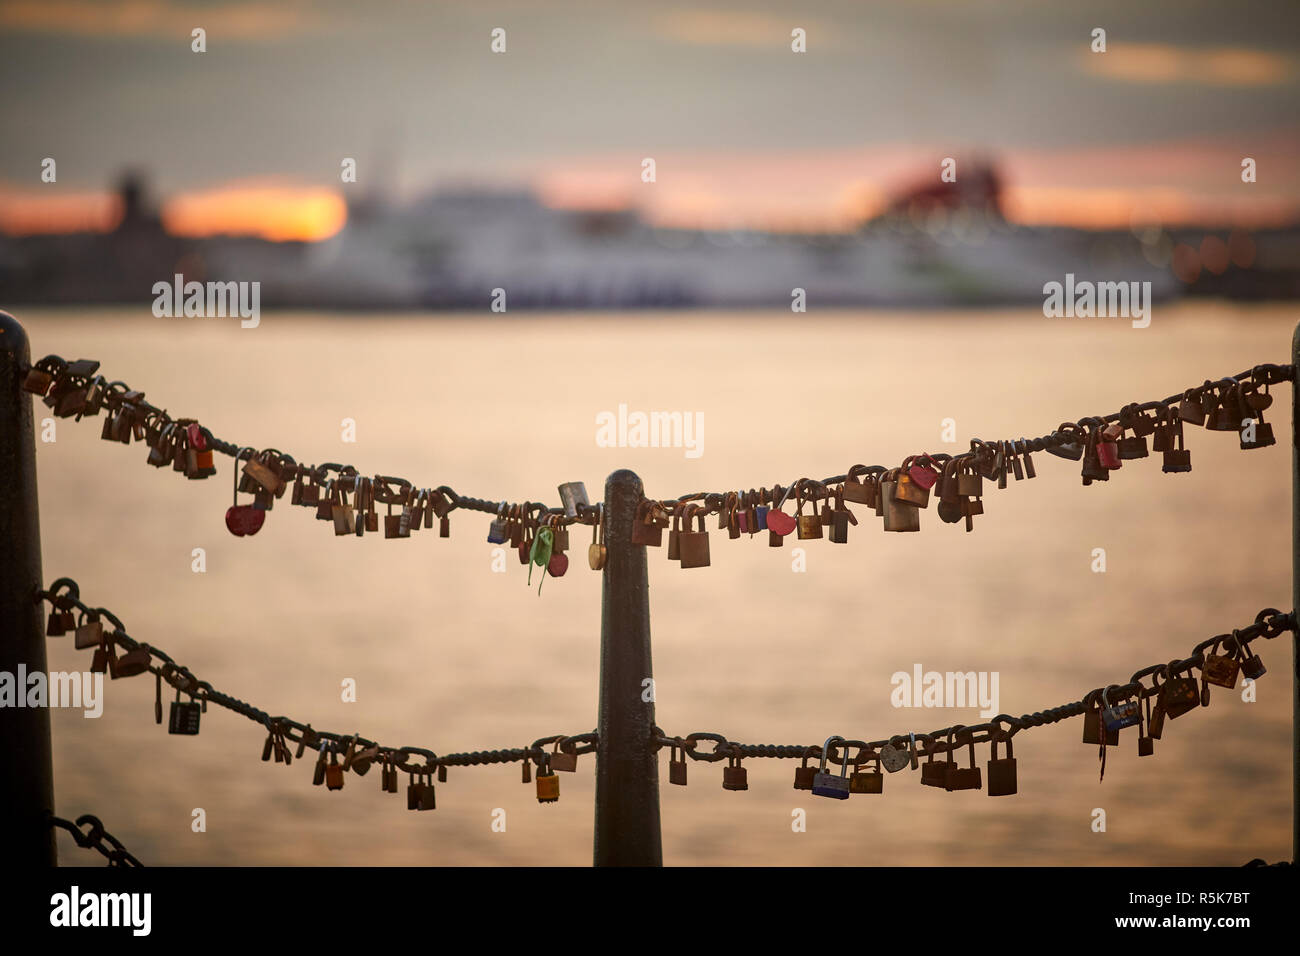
(923, 475)
(779, 522)
(244, 520)
(558, 564)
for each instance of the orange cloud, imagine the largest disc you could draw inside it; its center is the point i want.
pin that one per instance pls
(1160, 63)
(157, 18)
(268, 211)
(50, 213)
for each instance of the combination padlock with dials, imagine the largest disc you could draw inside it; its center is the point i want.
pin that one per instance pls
(1119, 715)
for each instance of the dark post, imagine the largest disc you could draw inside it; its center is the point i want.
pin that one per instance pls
(27, 791)
(627, 765)
(1295, 600)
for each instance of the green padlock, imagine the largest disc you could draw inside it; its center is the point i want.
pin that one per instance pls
(540, 554)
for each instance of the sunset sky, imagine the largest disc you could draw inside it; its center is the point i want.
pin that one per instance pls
(248, 137)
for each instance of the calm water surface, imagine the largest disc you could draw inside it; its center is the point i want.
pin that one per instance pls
(451, 656)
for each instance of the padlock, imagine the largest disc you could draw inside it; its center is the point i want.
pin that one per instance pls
(334, 773)
(803, 775)
(1108, 453)
(970, 484)
(526, 772)
(318, 773)
(573, 494)
(855, 490)
(892, 758)
(558, 564)
(562, 760)
(922, 472)
(809, 525)
(1146, 743)
(1229, 415)
(258, 468)
(1092, 724)
(414, 789)
(1252, 667)
(1219, 669)
(907, 489)
(548, 784)
(1180, 695)
(827, 784)
(89, 633)
(734, 776)
(645, 531)
(559, 535)
(54, 623)
(934, 773)
(133, 662)
(677, 766)
(867, 781)
(597, 554)
(779, 524)
(183, 717)
(1002, 771)
(841, 518)
(345, 519)
(950, 508)
(1190, 409)
(675, 534)
(243, 520)
(695, 544)
(498, 533)
(1156, 718)
(37, 381)
(1133, 446)
(963, 778)
(1119, 715)
(1177, 459)
(1069, 444)
(899, 515)
(427, 799)
(1093, 469)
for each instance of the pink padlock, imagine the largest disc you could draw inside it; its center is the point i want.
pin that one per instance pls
(1108, 454)
(923, 474)
(558, 564)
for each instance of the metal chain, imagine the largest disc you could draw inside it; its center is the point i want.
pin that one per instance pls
(64, 595)
(95, 837)
(1269, 623)
(72, 379)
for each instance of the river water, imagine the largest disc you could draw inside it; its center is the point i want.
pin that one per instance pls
(450, 655)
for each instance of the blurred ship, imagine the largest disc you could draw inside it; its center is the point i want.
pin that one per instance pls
(934, 245)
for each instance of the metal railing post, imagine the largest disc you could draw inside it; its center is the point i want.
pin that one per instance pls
(627, 764)
(1295, 599)
(27, 792)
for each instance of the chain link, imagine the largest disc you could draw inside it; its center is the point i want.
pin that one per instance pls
(95, 837)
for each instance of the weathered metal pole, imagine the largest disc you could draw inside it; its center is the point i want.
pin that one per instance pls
(27, 790)
(627, 764)
(1295, 600)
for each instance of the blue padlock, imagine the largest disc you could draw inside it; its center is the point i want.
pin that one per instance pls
(826, 784)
